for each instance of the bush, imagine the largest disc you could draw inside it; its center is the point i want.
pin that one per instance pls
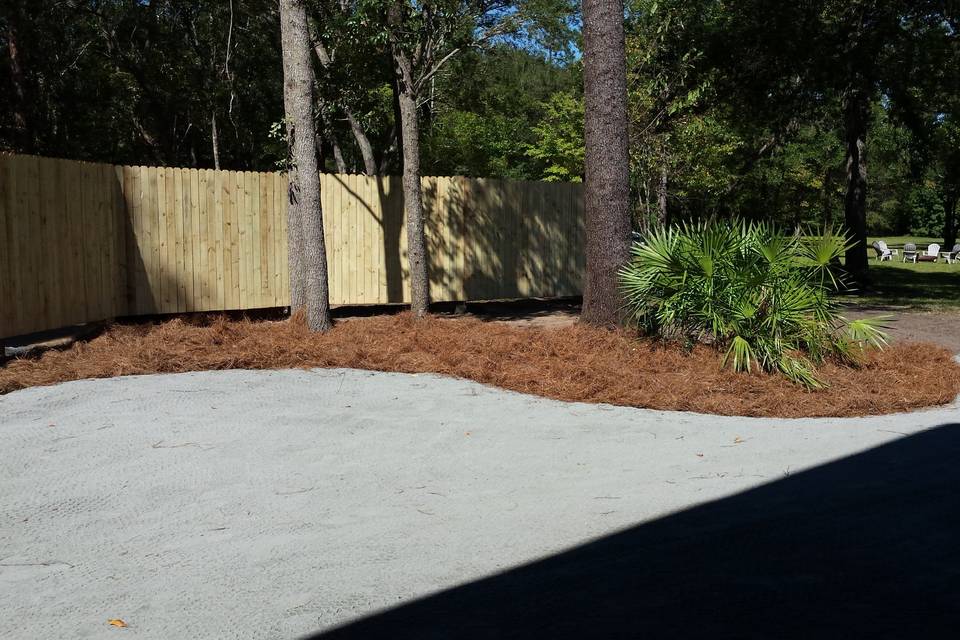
(751, 289)
(925, 212)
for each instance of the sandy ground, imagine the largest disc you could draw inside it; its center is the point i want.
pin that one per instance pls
(276, 504)
(939, 327)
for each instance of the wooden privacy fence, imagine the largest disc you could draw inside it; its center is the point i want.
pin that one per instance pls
(81, 242)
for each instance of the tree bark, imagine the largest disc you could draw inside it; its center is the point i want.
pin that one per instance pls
(363, 142)
(338, 155)
(214, 139)
(950, 222)
(856, 122)
(305, 226)
(412, 193)
(331, 138)
(295, 264)
(662, 214)
(22, 131)
(607, 184)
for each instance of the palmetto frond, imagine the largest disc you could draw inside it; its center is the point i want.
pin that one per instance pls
(760, 293)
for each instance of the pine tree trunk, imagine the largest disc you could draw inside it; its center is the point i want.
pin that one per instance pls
(21, 129)
(412, 193)
(856, 122)
(662, 213)
(607, 184)
(295, 265)
(306, 218)
(950, 222)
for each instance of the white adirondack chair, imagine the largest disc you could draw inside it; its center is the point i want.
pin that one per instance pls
(883, 251)
(932, 254)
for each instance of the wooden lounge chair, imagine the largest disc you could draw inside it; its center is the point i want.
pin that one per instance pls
(883, 251)
(909, 252)
(932, 254)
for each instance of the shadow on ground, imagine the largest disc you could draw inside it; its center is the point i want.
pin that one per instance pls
(864, 547)
(936, 285)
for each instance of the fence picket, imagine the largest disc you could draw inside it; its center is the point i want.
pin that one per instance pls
(81, 241)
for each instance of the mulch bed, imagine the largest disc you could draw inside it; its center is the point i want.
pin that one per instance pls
(574, 363)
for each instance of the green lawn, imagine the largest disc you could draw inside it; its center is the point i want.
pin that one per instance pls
(922, 285)
(897, 242)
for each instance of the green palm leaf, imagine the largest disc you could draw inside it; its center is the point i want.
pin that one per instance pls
(757, 292)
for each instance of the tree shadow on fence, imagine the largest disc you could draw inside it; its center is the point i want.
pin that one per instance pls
(510, 239)
(135, 296)
(485, 239)
(389, 218)
(446, 211)
(866, 546)
(391, 222)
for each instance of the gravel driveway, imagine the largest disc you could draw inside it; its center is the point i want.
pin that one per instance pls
(275, 504)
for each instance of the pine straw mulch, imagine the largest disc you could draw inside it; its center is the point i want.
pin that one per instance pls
(576, 363)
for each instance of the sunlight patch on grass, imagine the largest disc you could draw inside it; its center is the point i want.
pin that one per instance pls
(928, 285)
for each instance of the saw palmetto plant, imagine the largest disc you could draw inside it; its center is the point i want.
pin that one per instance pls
(757, 292)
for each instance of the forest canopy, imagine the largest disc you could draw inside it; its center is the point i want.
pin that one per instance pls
(736, 109)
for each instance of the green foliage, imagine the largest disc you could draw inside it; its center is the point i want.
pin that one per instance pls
(924, 210)
(761, 84)
(483, 127)
(738, 106)
(907, 195)
(668, 105)
(751, 289)
(136, 82)
(140, 82)
(466, 143)
(559, 145)
(701, 150)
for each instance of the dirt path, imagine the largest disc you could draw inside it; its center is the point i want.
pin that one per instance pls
(939, 327)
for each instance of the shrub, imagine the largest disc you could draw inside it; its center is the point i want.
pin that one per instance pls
(751, 289)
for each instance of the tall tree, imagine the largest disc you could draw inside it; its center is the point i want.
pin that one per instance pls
(423, 38)
(133, 82)
(18, 93)
(351, 58)
(308, 256)
(928, 106)
(408, 87)
(948, 169)
(665, 100)
(789, 56)
(607, 160)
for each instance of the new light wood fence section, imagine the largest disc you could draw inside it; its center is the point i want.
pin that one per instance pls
(81, 242)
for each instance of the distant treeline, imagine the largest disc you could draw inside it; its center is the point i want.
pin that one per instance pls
(806, 113)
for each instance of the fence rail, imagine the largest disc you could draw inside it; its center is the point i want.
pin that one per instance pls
(82, 241)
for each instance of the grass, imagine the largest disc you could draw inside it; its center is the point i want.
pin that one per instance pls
(924, 285)
(897, 242)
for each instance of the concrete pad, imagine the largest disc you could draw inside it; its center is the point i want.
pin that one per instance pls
(274, 504)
